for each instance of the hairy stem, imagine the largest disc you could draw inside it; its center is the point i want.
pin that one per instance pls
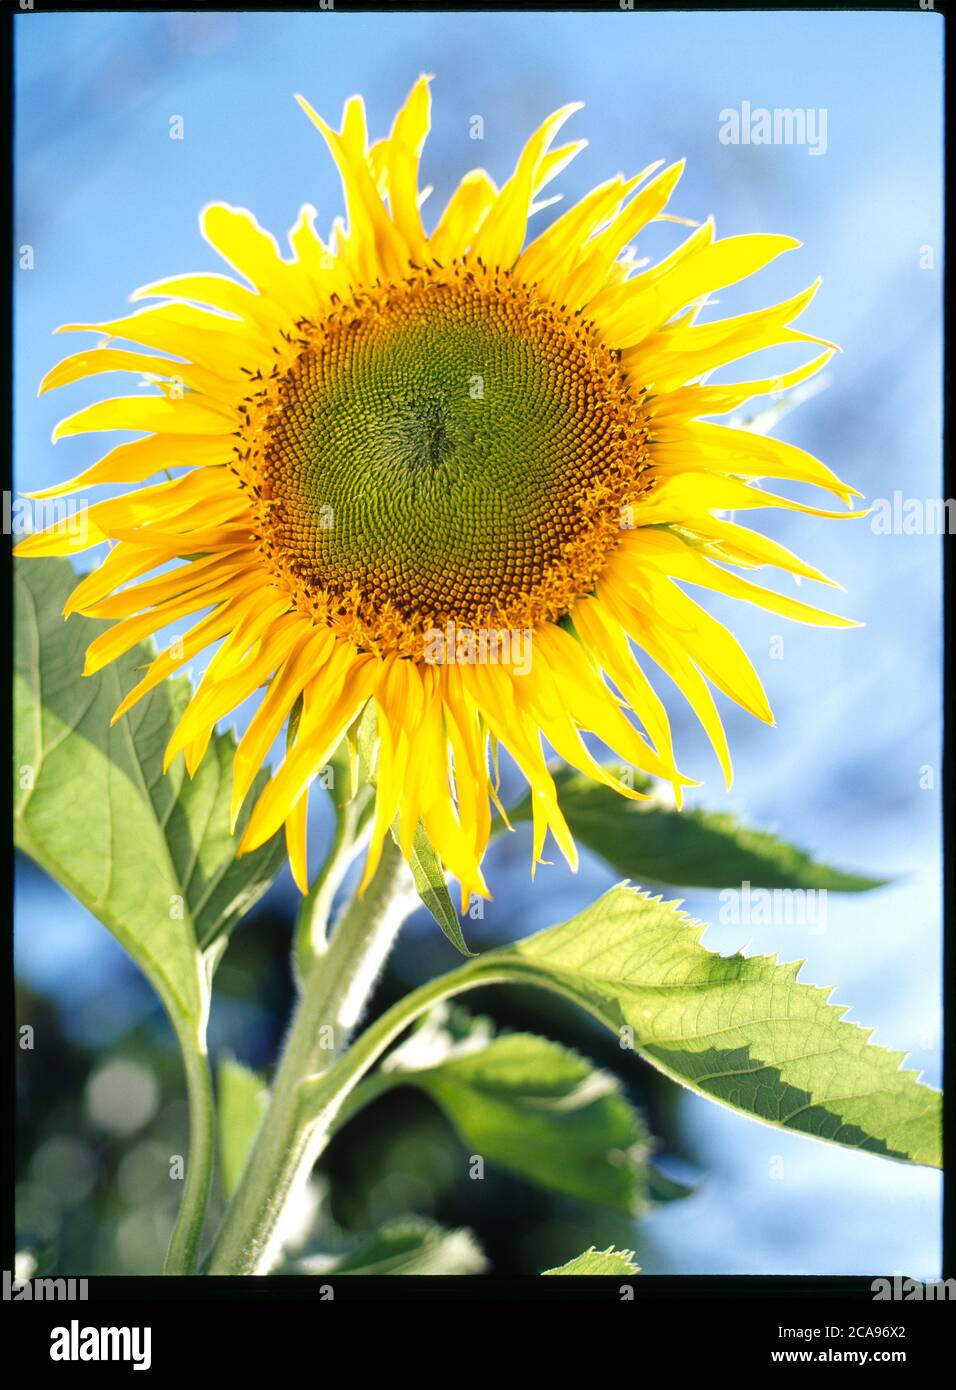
(290, 1138)
(183, 1254)
(311, 932)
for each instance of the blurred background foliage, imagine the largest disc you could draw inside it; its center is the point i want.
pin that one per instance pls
(108, 202)
(97, 1134)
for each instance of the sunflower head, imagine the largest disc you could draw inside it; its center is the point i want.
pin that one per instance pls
(467, 433)
(445, 449)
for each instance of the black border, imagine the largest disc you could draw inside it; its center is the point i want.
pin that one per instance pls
(707, 1296)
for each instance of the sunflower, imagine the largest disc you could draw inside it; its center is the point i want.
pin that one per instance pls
(390, 461)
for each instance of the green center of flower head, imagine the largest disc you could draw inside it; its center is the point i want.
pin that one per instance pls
(450, 448)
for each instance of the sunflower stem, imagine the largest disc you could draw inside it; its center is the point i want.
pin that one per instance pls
(311, 939)
(182, 1256)
(334, 994)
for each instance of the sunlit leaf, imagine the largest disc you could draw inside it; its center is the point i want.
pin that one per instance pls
(150, 855)
(653, 843)
(593, 1261)
(430, 884)
(535, 1108)
(739, 1030)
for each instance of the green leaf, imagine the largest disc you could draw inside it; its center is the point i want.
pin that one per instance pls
(344, 767)
(689, 849)
(429, 879)
(533, 1107)
(661, 1188)
(609, 1261)
(221, 889)
(243, 1096)
(410, 1246)
(739, 1030)
(365, 736)
(150, 855)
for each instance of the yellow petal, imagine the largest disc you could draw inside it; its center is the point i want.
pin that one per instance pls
(547, 261)
(682, 494)
(219, 292)
(303, 662)
(191, 415)
(405, 145)
(172, 585)
(221, 344)
(296, 839)
(680, 353)
(463, 215)
(97, 360)
(124, 562)
(718, 448)
(119, 639)
(143, 458)
(589, 277)
(739, 545)
(680, 561)
(254, 253)
(199, 637)
(323, 721)
(641, 625)
(218, 693)
(694, 401)
(325, 272)
(373, 245)
(713, 649)
(627, 314)
(591, 703)
(607, 639)
(499, 239)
